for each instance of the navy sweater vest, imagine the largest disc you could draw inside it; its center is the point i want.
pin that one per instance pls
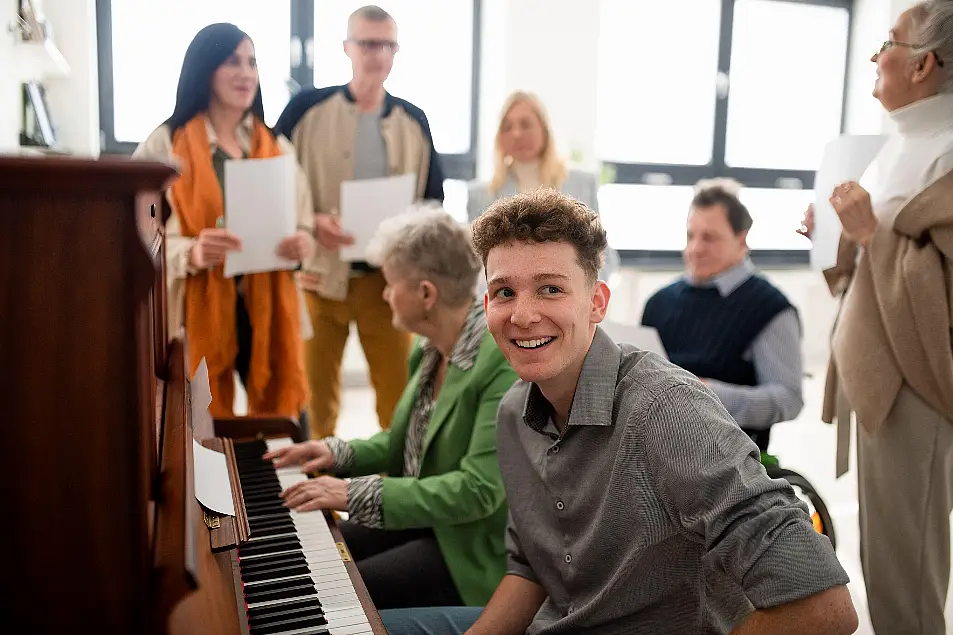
(707, 334)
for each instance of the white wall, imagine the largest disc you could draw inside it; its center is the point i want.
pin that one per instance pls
(9, 88)
(74, 100)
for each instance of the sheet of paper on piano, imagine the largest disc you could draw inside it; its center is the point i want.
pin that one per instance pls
(210, 471)
(201, 393)
(644, 337)
(260, 202)
(212, 486)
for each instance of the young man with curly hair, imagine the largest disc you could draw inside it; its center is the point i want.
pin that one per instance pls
(637, 505)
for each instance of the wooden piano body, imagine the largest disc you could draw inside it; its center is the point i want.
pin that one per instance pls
(102, 528)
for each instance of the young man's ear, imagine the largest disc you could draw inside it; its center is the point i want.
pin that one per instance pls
(600, 302)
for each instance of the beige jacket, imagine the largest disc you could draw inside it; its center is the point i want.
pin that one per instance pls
(894, 326)
(158, 147)
(322, 124)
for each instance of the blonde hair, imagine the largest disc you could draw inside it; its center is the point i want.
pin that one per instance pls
(552, 168)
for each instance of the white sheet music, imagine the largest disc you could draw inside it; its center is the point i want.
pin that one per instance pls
(644, 337)
(210, 472)
(260, 208)
(365, 203)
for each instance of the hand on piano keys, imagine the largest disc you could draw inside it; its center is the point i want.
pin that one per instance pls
(294, 579)
(324, 492)
(313, 456)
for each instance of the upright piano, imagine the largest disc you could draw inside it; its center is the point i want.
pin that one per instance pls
(102, 528)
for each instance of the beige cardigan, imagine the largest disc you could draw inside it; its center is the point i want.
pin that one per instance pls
(158, 147)
(894, 325)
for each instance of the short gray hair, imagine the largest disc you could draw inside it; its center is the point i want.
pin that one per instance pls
(932, 22)
(371, 13)
(428, 242)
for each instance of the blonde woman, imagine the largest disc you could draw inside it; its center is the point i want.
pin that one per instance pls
(526, 159)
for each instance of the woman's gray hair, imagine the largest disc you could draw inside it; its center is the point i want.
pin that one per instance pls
(932, 22)
(428, 242)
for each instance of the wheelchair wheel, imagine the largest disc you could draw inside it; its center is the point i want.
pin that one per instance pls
(806, 492)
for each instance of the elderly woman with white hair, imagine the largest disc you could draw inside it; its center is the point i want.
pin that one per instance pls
(425, 499)
(892, 359)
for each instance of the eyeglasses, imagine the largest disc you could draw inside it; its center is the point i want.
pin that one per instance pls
(891, 43)
(376, 46)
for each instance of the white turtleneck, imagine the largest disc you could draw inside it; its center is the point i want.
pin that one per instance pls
(527, 175)
(916, 155)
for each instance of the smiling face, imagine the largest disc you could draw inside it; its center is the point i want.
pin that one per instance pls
(902, 78)
(409, 298)
(235, 82)
(542, 310)
(522, 135)
(712, 246)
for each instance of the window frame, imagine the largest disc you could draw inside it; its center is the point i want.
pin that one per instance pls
(301, 66)
(680, 174)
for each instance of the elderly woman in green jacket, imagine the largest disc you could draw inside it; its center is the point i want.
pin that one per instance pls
(425, 500)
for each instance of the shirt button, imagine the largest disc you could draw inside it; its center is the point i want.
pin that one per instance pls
(559, 505)
(568, 559)
(554, 449)
(347, 154)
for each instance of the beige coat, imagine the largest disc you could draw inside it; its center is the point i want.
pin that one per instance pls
(158, 147)
(894, 325)
(323, 135)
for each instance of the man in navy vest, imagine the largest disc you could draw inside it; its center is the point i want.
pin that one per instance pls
(728, 325)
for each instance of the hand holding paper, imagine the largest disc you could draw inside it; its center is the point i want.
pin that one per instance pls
(845, 159)
(366, 203)
(260, 200)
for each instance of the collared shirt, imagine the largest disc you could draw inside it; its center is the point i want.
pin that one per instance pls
(651, 513)
(777, 359)
(365, 493)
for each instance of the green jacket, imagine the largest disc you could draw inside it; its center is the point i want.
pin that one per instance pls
(460, 490)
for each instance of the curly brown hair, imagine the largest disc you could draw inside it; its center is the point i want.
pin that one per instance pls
(544, 215)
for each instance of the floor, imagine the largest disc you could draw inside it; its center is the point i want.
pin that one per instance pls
(805, 445)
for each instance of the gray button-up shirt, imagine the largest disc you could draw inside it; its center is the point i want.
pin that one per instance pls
(651, 513)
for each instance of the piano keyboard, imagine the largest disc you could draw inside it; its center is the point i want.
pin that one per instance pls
(294, 580)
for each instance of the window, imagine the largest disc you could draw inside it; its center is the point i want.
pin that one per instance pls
(434, 68)
(144, 75)
(141, 44)
(746, 89)
(661, 108)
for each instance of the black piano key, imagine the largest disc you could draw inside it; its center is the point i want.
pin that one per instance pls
(284, 560)
(292, 623)
(268, 592)
(288, 610)
(270, 573)
(260, 612)
(268, 545)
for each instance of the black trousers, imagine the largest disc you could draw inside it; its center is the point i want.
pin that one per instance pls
(401, 569)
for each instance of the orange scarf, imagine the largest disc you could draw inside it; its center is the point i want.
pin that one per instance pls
(276, 375)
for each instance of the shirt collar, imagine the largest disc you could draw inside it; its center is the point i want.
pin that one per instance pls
(385, 108)
(728, 280)
(592, 404)
(243, 134)
(465, 350)
(924, 117)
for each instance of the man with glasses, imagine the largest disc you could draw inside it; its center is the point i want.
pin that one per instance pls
(341, 133)
(891, 355)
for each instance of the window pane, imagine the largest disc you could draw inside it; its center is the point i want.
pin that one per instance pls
(776, 214)
(653, 217)
(648, 217)
(455, 199)
(656, 82)
(432, 69)
(787, 83)
(146, 73)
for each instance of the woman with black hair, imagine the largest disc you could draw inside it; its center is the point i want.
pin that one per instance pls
(250, 323)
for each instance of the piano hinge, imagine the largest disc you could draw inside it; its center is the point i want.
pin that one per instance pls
(342, 549)
(212, 522)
